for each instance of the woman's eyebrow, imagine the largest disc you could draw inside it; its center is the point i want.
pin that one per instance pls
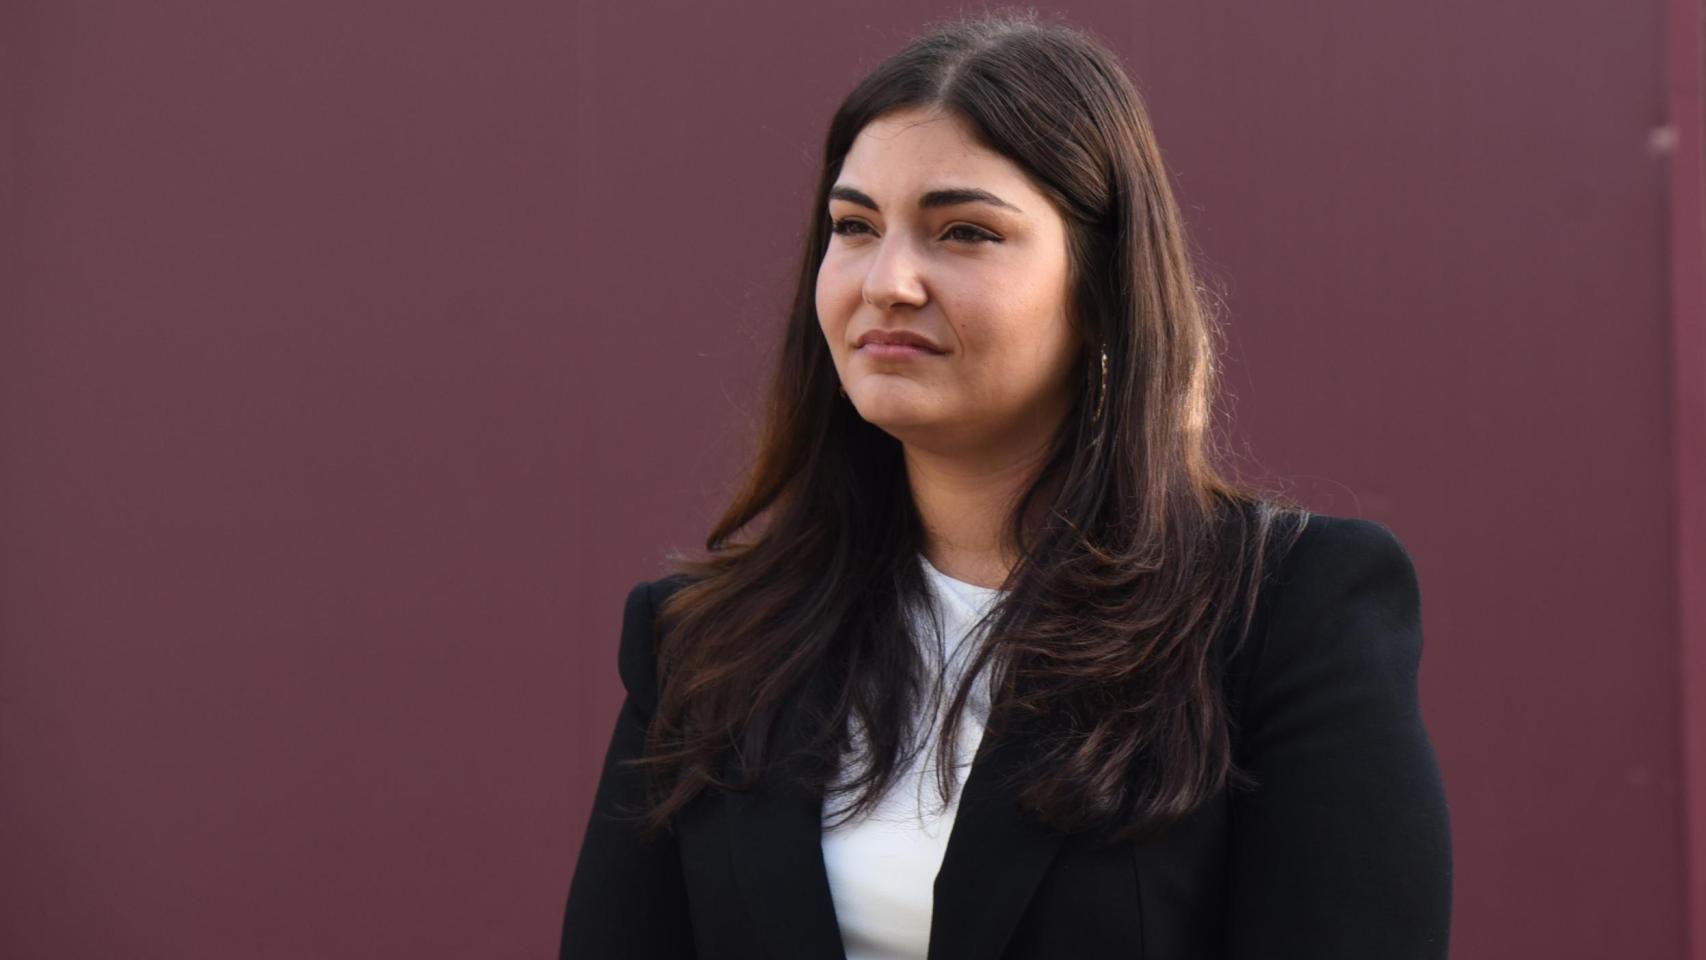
(948, 197)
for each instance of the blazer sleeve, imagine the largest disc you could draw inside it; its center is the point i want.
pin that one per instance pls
(627, 897)
(1343, 850)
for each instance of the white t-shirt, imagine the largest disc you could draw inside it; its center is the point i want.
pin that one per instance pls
(882, 868)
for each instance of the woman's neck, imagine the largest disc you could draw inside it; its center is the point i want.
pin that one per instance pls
(966, 507)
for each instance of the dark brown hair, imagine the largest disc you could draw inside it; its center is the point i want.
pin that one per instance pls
(1136, 553)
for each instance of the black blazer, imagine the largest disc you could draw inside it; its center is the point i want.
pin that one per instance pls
(1343, 852)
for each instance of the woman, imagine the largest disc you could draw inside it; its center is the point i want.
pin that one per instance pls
(1003, 667)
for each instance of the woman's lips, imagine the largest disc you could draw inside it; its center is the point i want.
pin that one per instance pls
(895, 351)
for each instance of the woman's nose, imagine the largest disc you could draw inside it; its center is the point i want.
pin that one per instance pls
(894, 276)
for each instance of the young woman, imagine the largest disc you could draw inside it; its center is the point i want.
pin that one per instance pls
(986, 659)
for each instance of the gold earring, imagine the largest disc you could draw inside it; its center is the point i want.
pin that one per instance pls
(1102, 392)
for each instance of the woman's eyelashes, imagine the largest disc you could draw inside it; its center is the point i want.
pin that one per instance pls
(850, 226)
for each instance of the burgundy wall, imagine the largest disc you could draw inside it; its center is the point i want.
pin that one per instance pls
(358, 358)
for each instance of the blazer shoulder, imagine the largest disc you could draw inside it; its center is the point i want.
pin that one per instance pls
(1331, 548)
(664, 586)
(636, 658)
(1344, 591)
(1340, 567)
(636, 653)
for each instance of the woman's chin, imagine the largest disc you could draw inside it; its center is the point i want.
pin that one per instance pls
(899, 415)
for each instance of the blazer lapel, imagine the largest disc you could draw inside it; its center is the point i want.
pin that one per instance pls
(995, 857)
(776, 840)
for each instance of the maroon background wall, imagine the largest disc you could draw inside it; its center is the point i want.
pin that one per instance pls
(356, 359)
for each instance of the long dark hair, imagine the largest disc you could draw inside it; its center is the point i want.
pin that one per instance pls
(1136, 553)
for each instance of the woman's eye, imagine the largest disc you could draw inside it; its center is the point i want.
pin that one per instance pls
(847, 226)
(973, 234)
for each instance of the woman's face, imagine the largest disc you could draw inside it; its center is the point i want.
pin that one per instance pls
(983, 280)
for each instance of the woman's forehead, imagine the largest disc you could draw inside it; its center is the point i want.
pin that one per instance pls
(928, 162)
(935, 137)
